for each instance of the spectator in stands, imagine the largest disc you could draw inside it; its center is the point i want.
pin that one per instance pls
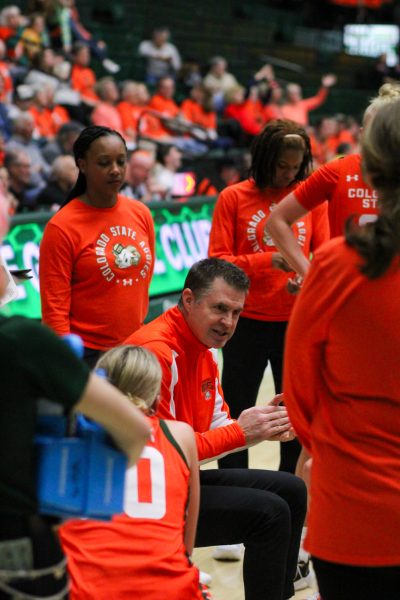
(43, 69)
(199, 110)
(173, 126)
(105, 112)
(296, 108)
(11, 26)
(58, 19)
(97, 47)
(63, 143)
(129, 109)
(5, 120)
(163, 100)
(22, 101)
(219, 81)
(22, 139)
(324, 140)
(168, 163)
(273, 107)
(162, 57)
(18, 165)
(243, 111)
(12, 202)
(47, 116)
(83, 78)
(138, 181)
(62, 178)
(34, 37)
(5, 71)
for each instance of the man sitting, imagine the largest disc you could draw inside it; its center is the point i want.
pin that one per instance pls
(263, 509)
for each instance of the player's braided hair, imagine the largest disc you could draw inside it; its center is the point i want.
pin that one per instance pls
(277, 136)
(81, 146)
(135, 371)
(379, 242)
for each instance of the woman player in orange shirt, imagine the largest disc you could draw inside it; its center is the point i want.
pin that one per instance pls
(281, 158)
(97, 251)
(341, 183)
(145, 551)
(342, 390)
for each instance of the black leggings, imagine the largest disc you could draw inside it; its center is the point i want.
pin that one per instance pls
(345, 582)
(246, 356)
(265, 511)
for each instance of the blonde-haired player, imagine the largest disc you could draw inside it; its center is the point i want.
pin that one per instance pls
(143, 552)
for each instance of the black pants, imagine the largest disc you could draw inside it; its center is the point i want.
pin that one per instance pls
(91, 356)
(265, 511)
(246, 356)
(345, 582)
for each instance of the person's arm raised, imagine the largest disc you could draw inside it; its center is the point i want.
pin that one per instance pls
(103, 403)
(279, 227)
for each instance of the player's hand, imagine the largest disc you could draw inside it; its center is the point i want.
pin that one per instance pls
(261, 423)
(278, 262)
(294, 284)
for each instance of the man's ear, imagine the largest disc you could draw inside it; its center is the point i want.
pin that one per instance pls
(187, 298)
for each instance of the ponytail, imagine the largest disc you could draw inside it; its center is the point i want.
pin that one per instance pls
(78, 189)
(378, 243)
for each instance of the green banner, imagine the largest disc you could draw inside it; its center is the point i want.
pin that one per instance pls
(182, 232)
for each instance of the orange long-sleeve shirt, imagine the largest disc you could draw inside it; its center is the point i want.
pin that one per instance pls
(298, 112)
(195, 113)
(341, 386)
(341, 183)
(237, 235)
(48, 121)
(83, 80)
(190, 390)
(95, 270)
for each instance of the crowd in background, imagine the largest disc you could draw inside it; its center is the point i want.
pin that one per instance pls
(49, 93)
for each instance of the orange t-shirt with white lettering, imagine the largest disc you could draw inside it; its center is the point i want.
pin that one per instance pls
(341, 183)
(95, 271)
(237, 235)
